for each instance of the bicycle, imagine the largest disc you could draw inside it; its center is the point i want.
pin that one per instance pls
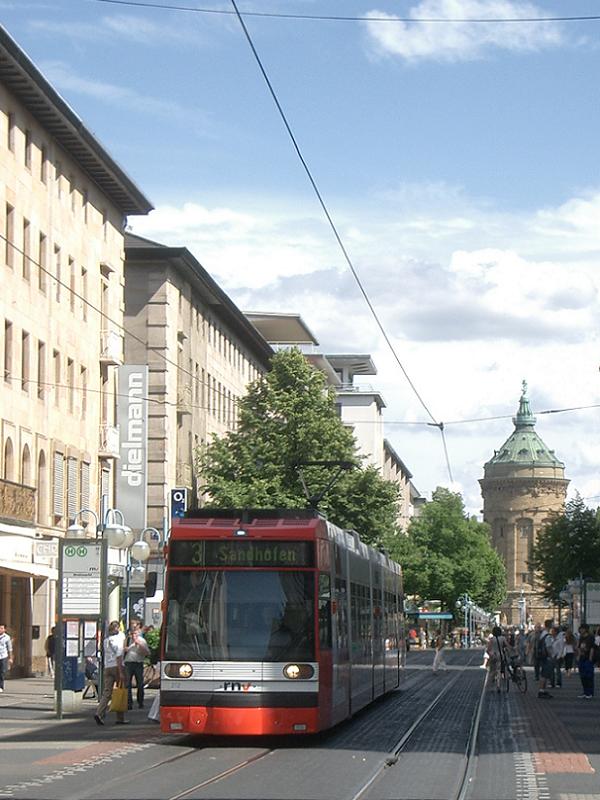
(518, 676)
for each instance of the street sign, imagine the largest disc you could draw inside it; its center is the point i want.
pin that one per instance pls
(81, 584)
(179, 500)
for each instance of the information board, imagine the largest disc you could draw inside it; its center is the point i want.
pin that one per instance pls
(592, 603)
(81, 587)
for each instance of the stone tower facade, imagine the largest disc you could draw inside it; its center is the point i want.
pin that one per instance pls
(523, 483)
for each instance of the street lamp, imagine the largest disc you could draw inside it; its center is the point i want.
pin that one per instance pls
(75, 531)
(140, 552)
(522, 610)
(464, 602)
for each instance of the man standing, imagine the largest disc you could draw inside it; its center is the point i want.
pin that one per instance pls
(545, 659)
(586, 662)
(136, 651)
(114, 672)
(6, 654)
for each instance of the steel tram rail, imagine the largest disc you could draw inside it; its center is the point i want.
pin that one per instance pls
(469, 757)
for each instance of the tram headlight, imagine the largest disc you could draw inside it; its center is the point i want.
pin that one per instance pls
(179, 670)
(297, 671)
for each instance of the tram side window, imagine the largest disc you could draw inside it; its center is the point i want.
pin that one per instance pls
(342, 617)
(325, 612)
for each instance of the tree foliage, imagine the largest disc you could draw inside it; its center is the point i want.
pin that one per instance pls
(569, 546)
(446, 554)
(288, 417)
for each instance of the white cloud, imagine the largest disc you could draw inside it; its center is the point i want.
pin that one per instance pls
(462, 41)
(61, 76)
(470, 314)
(131, 27)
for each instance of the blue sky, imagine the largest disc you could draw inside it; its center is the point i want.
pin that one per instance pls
(459, 162)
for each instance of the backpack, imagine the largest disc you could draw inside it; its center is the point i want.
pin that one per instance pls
(541, 647)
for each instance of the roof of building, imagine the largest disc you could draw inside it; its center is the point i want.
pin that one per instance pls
(22, 78)
(524, 446)
(355, 363)
(286, 329)
(387, 448)
(139, 249)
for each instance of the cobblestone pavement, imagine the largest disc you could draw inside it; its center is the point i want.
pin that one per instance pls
(528, 749)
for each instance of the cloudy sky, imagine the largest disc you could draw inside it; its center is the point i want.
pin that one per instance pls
(458, 159)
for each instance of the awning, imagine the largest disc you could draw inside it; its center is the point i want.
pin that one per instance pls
(30, 569)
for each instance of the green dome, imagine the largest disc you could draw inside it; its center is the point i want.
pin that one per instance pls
(524, 446)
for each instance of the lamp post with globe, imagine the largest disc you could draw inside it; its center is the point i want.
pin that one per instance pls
(138, 551)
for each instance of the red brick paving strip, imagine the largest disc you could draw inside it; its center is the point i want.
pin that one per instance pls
(556, 749)
(83, 753)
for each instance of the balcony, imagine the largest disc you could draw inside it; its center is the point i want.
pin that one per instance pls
(109, 441)
(111, 348)
(184, 399)
(17, 501)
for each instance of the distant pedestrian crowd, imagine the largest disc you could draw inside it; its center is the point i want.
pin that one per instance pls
(552, 650)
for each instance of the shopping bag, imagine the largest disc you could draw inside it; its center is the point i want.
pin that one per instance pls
(118, 699)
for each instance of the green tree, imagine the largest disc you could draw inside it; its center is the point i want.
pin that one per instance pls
(288, 417)
(569, 546)
(446, 554)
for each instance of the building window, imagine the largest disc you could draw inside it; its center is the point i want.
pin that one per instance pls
(84, 284)
(104, 224)
(28, 149)
(83, 380)
(26, 249)
(8, 350)
(42, 263)
(72, 193)
(70, 384)
(57, 271)
(72, 489)
(9, 460)
(58, 487)
(85, 201)
(10, 132)
(25, 361)
(26, 466)
(44, 165)
(58, 179)
(72, 284)
(9, 236)
(56, 372)
(41, 370)
(42, 488)
(84, 485)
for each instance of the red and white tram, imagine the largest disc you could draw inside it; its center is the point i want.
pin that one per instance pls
(275, 623)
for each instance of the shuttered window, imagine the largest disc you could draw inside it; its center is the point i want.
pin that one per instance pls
(58, 486)
(72, 493)
(84, 485)
(105, 485)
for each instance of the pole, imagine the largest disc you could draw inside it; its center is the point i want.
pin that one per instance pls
(127, 587)
(59, 644)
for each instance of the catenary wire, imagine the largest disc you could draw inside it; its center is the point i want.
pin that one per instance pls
(333, 226)
(358, 18)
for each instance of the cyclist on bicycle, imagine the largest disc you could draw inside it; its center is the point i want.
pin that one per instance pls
(497, 649)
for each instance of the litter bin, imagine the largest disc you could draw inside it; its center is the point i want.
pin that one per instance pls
(73, 682)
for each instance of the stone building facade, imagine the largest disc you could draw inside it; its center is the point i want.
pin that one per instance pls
(201, 351)
(523, 483)
(63, 203)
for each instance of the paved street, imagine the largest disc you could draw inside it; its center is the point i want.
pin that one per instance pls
(526, 748)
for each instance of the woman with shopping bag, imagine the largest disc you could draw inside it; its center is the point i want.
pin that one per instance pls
(114, 689)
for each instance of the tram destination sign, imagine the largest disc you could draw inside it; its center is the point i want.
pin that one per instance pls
(241, 554)
(81, 577)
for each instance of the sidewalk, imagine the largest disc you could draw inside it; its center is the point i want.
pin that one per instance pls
(27, 708)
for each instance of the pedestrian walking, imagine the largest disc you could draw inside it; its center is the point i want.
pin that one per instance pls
(113, 673)
(585, 652)
(136, 650)
(533, 640)
(50, 647)
(6, 654)
(438, 660)
(496, 648)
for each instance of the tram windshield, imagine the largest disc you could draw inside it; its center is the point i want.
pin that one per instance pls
(240, 615)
